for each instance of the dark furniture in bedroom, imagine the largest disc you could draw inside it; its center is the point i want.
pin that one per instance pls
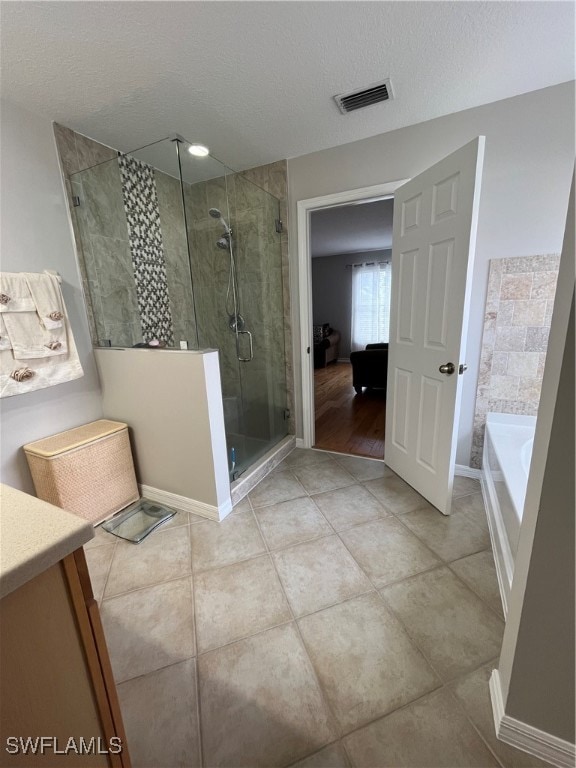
(370, 367)
(326, 345)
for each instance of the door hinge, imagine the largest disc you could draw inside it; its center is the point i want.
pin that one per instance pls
(75, 201)
(279, 226)
(308, 350)
(286, 414)
(461, 368)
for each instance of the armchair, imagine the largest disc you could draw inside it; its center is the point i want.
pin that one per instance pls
(370, 367)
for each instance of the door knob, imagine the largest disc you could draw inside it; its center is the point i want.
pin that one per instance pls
(447, 368)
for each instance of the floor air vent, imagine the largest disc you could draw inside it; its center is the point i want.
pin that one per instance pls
(348, 102)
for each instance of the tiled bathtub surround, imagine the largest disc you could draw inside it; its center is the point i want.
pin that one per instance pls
(333, 618)
(516, 325)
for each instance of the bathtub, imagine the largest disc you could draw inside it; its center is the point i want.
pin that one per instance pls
(508, 441)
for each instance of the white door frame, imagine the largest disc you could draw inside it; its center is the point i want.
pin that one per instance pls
(304, 209)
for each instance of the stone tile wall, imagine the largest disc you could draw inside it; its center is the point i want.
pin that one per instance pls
(516, 325)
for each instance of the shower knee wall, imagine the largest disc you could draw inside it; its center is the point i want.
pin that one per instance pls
(172, 401)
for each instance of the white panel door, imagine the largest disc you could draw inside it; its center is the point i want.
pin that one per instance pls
(434, 235)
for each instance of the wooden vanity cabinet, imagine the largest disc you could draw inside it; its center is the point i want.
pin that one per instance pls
(55, 675)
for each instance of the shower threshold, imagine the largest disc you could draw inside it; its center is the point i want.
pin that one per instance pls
(257, 471)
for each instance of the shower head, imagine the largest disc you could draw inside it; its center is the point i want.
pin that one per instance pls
(215, 213)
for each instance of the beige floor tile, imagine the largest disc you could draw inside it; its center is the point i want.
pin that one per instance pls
(326, 476)
(236, 601)
(474, 693)
(449, 536)
(305, 457)
(365, 661)
(99, 559)
(387, 551)
(160, 715)
(396, 495)
(261, 704)
(242, 506)
(430, 733)
(465, 485)
(363, 469)
(473, 508)
(217, 544)
(479, 572)
(291, 522)
(100, 537)
(319, 573)
(163, 555)
(349, 506)
(454, 628)
(150, 628)
(333, 756)
(276, 487)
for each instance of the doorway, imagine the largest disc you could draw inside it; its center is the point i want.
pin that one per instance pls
(350, 250)
(325, 425)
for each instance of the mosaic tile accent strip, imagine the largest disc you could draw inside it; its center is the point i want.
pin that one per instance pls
(146, 246)
(517, 320)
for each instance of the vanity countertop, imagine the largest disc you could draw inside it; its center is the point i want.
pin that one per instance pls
(34, 535)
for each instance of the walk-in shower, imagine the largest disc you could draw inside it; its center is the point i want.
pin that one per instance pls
(181, 250)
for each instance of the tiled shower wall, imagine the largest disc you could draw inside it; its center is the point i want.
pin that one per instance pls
(516, 325)
(251, 199)
(108, 270)
(118, 273)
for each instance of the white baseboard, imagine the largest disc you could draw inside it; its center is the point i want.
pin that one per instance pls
(300, 442)
(526, 737)
(463, 471)
(212, 512)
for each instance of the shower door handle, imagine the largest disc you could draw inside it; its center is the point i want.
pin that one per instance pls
(246, 359)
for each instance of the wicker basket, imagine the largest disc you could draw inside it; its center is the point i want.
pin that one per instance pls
(87, 470)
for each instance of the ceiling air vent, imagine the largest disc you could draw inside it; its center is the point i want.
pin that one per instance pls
(348, 102)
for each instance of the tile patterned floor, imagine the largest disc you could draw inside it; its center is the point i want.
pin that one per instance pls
(333, 619)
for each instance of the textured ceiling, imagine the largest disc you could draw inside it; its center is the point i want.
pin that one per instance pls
(352, 228)
(255, 80)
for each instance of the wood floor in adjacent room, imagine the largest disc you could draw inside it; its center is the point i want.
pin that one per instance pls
(347, 422)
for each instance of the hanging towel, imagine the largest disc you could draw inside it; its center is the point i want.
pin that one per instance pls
(15, 295)
(31, 355)
(47, 298)
(4, 339)
(29, 339)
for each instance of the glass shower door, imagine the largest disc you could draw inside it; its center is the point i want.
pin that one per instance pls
(236, 265)
(260, 341)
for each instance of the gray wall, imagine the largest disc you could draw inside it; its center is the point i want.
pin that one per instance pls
(544, 658)
(332, 291)
(536, 666)
(526, 179)
(36, 236)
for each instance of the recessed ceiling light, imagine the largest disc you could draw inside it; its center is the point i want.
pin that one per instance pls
(199, 150)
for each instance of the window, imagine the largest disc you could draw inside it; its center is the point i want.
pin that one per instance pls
(370, 304)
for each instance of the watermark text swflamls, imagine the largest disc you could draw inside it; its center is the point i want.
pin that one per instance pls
(43, 745)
